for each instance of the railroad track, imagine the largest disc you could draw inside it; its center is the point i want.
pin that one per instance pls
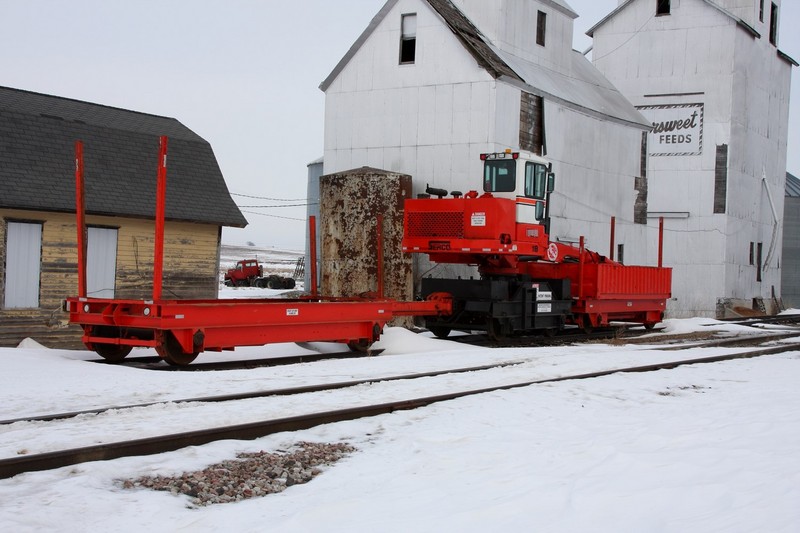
(160, 444)
(757, 320)
(565, 336)
(156, 363)
(754, 340)
(288, 391)
(568, 336)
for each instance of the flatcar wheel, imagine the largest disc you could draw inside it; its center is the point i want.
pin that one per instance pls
(113, 353)
(360, 346)
(649, 326)
(440, 331)
(171, 352)
(495, 330)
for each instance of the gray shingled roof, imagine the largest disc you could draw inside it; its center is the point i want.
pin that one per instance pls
(37, 172)
(792, 186)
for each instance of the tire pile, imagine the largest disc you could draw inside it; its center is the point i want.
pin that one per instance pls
(250, 475)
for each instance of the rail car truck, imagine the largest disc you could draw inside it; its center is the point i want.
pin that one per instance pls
(528, 283)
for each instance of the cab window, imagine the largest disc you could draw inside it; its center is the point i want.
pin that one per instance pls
(535, 180)
(499, 175)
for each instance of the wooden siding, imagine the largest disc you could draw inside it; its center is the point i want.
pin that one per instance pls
(191, 259)
(531, 123)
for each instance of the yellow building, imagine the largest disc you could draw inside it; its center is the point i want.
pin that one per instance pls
(38, 237)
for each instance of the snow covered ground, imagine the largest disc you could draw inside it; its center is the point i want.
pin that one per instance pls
(703, 448)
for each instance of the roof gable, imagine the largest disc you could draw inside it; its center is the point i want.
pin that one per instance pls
(466, 32)
(739, 22)
(562, 6)
(792, 186)
(747, 27)
(584, 89)
(37, 137)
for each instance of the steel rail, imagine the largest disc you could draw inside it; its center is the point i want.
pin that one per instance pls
(245, 364)
(734, 341)
(153, 363)
(167, 443)
(755, 320)
(562, 337)
(288, 391)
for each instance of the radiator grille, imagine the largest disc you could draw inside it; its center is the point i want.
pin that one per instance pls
(436, 224)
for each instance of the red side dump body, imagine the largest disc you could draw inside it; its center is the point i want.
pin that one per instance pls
(605, 292)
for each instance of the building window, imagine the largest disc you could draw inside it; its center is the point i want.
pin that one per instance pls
(773, 25)
(621, 253)
(752, 253)
(761, 11)
(721, 179)
(408, 39)
(662, 7)
(759, 251)
(23, 265)
(541, 28)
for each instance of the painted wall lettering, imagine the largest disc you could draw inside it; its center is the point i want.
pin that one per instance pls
(677, 129)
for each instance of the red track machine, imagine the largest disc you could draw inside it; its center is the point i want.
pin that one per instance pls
(527, 283)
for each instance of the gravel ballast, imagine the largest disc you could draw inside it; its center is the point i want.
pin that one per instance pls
(250, 475)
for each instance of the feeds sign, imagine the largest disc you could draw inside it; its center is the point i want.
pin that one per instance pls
(677, 129)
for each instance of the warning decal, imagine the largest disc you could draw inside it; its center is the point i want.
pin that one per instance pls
(552, 252)
(478, 219)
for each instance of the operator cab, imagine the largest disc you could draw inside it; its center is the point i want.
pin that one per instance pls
(523, 177)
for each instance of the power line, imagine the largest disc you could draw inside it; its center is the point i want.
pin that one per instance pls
(270, 199)
(272, 206)
(275, 216)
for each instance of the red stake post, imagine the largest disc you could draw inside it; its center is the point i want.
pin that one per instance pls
(161, 200)
(80, 213)
(613, 237)
(312, 247)
(580, 268)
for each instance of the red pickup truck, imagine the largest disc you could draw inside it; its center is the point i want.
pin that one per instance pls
(248, 273)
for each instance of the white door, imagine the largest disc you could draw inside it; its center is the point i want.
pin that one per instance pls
(101, 262)
(23, 265)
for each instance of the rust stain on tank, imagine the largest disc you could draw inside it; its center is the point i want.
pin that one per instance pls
(350, 203)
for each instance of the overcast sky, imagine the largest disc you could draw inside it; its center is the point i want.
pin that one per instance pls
(243, 74)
